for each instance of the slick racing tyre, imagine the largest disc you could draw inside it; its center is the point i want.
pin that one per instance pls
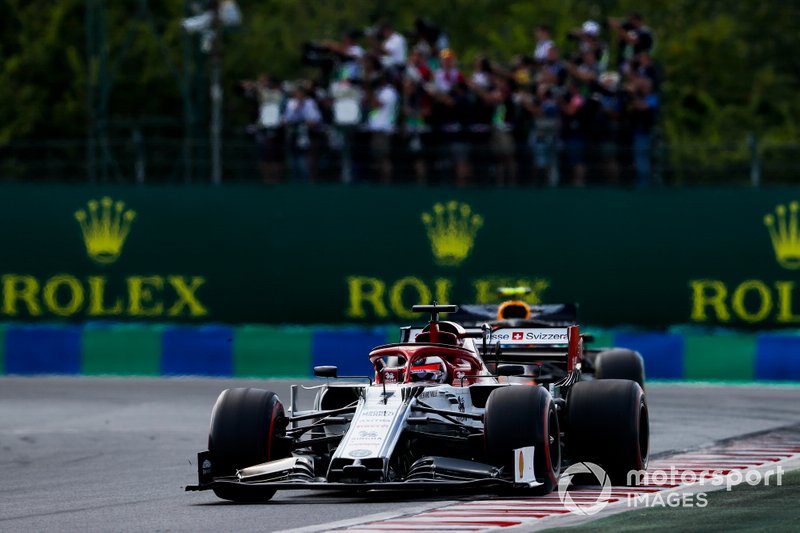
(520, 416)
(608, 424)
(244, 427)
(619, 363)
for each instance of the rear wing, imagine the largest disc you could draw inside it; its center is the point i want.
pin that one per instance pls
(538, 345)
(524, 345)
(529, 336)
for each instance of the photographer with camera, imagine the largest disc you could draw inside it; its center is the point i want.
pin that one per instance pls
(576, 113)
(349, 54)
(634, 37)
(301, 117)
(543, 140)
(417, 110)
(607, 130)
(642, 110)
(268, 129)
(382, 102)
(391, 46)
(589, 41)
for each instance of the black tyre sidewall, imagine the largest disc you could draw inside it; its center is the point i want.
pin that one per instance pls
(244, 424)
(608, 424)
(620, 363)
(520, 416)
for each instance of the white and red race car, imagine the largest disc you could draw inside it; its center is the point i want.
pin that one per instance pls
(448, 407)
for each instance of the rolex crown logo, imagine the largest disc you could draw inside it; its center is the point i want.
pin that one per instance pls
(785, 235)
(105, 225)
(451, 230)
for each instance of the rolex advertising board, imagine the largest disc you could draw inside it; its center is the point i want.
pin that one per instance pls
(331, 254)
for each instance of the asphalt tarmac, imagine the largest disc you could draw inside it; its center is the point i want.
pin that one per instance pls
(114, 454)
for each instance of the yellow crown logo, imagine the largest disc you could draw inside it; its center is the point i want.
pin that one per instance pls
(785, 236)
(451, 230)
(105, 228)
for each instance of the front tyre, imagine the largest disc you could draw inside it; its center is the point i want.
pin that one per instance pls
(520, 416)
(245, 426)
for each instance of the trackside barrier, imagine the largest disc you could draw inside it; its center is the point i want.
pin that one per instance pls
(105, 252)
(292, 351)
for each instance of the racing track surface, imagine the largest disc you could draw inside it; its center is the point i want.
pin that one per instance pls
(114, 454)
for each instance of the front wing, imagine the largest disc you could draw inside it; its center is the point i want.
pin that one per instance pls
(296, 473)
(253, 488)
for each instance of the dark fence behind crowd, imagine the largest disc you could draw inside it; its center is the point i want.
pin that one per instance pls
(336, 157)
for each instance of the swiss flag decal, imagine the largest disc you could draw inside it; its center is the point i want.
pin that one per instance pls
(516, 336)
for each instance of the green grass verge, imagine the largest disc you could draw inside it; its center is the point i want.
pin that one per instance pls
(745, 508)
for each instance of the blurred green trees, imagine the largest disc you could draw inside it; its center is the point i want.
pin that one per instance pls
(731, 67)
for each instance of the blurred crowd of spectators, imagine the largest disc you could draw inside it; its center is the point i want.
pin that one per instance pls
(390, 107)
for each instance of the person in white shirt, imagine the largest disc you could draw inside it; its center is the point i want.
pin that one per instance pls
(381, 123)
(394, 49)
(543, 43)
(448, 75)
(300, 116)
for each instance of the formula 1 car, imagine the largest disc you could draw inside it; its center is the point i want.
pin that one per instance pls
(449, 407)
(514, 312)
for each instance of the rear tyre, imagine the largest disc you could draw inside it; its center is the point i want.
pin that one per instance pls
(520, 416)
(608, 424)
(245, 424)
(620, 363)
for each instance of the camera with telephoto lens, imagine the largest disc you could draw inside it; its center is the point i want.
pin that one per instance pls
(317, 55)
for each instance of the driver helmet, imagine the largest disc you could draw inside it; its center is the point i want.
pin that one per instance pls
(428, 369)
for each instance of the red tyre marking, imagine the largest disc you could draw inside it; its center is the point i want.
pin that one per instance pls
(271, 427)
(550, 472)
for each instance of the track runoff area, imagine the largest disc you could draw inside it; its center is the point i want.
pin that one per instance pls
(676, 481)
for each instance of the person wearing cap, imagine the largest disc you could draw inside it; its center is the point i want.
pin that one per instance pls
(589, 41)
(608, 125)
(448, 74)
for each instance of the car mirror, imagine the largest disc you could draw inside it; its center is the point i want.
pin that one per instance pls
(325, 371)
(510, 370)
